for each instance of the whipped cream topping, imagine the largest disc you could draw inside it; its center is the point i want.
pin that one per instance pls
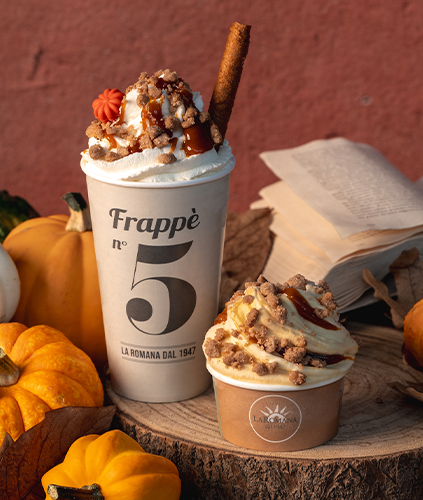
(281, 335)
(161, 134)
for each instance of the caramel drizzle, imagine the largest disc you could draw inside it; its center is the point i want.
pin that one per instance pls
(197, 139)
(305, 310)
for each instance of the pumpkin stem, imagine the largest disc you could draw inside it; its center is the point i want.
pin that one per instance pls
(57, 492)
(80, 218)
(9, 372)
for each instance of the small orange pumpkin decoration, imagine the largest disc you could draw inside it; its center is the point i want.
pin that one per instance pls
(413, 332)
(112, 467)
(106, 106)
(57, 268)
(41, 370)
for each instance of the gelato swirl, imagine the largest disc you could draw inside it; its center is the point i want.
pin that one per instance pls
(281, 335)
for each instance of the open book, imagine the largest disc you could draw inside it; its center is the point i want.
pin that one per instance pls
(339, 207)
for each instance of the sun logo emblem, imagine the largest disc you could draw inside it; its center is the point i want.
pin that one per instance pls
(276, 415)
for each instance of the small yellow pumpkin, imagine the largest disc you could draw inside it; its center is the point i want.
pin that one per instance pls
(413, 332)
(41, 370)
(57, 267)
(112, 466)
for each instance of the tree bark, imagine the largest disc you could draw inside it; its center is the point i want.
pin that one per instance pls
(377, 454)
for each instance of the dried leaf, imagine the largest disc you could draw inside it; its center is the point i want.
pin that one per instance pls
(227, 288)
(25, 461)
(37, 493)
(407, 270)
(7, 441)
(412, 390)
(247, 247)
(381, 292)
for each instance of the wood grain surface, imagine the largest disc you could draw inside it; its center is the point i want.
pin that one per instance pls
(377, 454)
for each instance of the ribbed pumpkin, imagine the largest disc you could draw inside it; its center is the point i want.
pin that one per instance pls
(41, 370)
(112, 467)
(413, 332)
(56, 263)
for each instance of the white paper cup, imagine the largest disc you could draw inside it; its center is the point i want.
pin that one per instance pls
(272, 418)
(159, 254)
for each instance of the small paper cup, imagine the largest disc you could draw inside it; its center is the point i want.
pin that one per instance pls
(277, 418)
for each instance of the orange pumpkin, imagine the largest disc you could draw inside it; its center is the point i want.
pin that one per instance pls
(57, 268)
(41, 370)
(112, 467)
(413, 332)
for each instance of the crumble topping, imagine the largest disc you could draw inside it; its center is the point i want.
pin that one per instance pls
(229, 344)
(153, 90)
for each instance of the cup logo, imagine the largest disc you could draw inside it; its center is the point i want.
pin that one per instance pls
(275, 419)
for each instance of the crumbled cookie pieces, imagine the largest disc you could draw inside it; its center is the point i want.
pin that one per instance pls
(327, 300)
(161, 141)
(252, 317)
(248, 299)
(172, 123)
(96, 152)
(167, 158)
(298, 281)
(294, 354)
(213, 348)
(296, 377)
(112, 156)
(145, 142)
(95, 130)
(143, 99)
(150, 89)
(220, 334)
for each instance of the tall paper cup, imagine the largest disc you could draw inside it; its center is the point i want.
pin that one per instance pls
(159, 254)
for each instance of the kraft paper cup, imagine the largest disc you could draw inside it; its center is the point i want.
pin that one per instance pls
(159, 254)
(272, 418)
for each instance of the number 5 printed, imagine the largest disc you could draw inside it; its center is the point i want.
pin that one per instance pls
(168, 302)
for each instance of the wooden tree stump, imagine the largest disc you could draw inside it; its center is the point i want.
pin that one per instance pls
(377, 454)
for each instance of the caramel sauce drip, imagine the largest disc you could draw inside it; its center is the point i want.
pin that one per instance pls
(173, 143)
(136, 148)
(197, 140)
(112, 140)
(222, 317)
(121, 113)
(151, 115)
(305, 310)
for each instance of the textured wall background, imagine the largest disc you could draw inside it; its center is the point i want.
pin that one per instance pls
(316, 69)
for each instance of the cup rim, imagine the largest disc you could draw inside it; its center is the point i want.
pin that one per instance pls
(269, 387)
(222, 172)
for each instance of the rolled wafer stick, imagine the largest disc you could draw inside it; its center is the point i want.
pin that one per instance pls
(229, 76)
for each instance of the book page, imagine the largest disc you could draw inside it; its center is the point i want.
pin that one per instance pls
(350, 184)
(294, 214)
(345, 278)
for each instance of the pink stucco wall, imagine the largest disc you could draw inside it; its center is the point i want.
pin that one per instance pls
(316, 68)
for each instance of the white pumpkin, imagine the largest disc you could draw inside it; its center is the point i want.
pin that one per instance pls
(10, 286)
